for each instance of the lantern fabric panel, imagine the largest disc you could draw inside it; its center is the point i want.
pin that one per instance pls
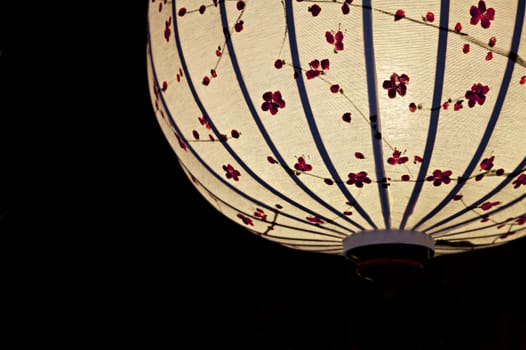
(307, 122)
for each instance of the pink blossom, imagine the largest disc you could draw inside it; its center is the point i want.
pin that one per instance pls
(396, 84)
(358, 179)
(301, 165)
(231, 173)
(440, 177)
(521, 180)
(488, 205)
(477, 94)
(272, 102)
(397, 158)
(482, 14)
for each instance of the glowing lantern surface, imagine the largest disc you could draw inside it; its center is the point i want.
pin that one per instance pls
(331, 125)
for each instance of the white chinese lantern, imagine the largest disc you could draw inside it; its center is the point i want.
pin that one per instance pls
(388, 132)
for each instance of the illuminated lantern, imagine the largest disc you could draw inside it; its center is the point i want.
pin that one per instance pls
(388, 132)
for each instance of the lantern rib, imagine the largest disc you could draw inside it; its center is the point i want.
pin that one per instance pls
(497, 189)
(218, 177)
(264, 133)
(466, 189)
(311, 120)
(336, 234)
(451, 236)
(476, 205)
(376, 134)
(435, 113)
(519, 20)
(274, 191)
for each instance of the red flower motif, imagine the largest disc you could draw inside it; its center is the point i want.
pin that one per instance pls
(204, 122)
(345, 8)
(440, 177)
(235, 134)
(167, 29)
(477, 94)
(246, 220)
(521, 180)
(314, 10)
(482, 14)
(231, 173)
(334, 88)
(238, 26)
(316, 65)
(260, 213)
(328, 181)
(272, 160)
(182, 144)
(487, 163)
(359, 155)
(430, 17)
(358, 179)
(336, 40)
(489, 56)
(521, 220)
(492, 41)
(522, 81)
(301, 165)
(488, 205)
(399, 14)
(396, 159)
(396, 84)
(273, 101)
(315, 220)
(347, 117)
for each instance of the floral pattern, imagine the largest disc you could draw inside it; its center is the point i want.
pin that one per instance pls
(403, 167)
(302, 165)
(231, 173)
(273, 101)
(336, 40)
(477, 94)
(396, 84)
(440, 177)
(317, 67)
(358, 179)
(482, 14)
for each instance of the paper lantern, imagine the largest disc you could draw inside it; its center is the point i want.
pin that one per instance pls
(359, 128)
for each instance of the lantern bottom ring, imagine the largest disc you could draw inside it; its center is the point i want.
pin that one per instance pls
(388, 254)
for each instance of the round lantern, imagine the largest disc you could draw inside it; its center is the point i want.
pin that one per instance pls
(388, 132)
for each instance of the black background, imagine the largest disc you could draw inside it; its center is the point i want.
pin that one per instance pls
(89, 181)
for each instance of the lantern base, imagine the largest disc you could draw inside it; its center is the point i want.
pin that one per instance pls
(389, 255)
